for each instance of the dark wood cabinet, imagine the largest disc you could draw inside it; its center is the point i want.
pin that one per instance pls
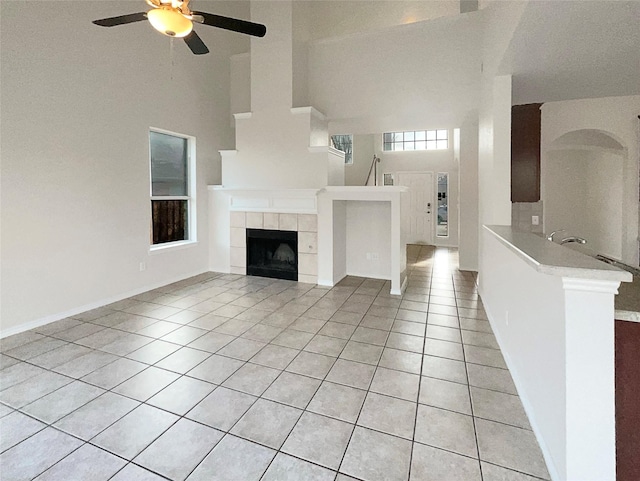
(627, 399)
(525, 153)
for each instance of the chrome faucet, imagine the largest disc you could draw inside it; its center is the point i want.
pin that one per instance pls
(550, 236)
(579, 240)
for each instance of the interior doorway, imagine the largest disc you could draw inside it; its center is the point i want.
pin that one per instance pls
(418, 208)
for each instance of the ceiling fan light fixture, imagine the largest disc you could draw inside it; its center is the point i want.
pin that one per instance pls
(170, 22)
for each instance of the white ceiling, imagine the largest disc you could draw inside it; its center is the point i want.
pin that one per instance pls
(565, 50)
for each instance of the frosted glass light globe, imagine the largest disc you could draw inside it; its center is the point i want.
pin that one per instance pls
(169, 22)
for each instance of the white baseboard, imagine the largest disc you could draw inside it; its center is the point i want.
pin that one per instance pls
(26, 326)
(522, 392)
(368, 276)
(403, 287)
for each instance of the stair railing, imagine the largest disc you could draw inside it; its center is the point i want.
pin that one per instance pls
(374, 169)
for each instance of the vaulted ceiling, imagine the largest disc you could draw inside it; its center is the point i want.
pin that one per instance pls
(575, 49)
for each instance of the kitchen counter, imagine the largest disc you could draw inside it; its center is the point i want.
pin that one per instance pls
(553, 259)
(573, 260)
(627, 302)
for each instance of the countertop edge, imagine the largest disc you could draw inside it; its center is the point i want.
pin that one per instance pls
(631, 316)
(553, 259)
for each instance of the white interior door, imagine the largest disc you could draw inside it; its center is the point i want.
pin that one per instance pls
(418, 208)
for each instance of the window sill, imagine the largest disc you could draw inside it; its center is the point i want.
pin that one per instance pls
(171, 246)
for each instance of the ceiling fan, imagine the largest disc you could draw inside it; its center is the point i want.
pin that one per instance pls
(174, 19)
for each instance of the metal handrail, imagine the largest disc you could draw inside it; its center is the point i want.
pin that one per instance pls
(374, 168)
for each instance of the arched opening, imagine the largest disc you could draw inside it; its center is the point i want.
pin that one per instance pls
(584, 189)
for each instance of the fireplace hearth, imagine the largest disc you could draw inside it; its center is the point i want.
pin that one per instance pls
(272, 253)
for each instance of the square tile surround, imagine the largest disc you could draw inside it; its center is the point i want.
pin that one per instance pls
(305, 224)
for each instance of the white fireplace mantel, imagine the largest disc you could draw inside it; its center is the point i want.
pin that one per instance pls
(340, 243)
(290, 201)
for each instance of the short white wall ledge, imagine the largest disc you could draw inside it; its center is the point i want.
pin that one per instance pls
(552, 312)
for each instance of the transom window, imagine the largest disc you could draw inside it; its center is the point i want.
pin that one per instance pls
(172, 187)
(416, 140)
(344, 142)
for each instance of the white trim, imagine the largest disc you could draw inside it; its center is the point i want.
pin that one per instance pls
(589, 148)
(403, 287)
(192, 220)
(92, 305)
(242, 115)
(170, 197)
(448, 139)
(290, 201)
(171, 246)
(308, 110)
(326, 148)
(436, 201)
(590, 285)
(192, 186)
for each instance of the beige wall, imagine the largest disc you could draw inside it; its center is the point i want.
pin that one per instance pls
(77, 104)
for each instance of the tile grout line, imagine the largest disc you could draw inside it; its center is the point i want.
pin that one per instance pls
(311, 399)
(473, 417)
(424, 343)
(228, 432)
(181, 346)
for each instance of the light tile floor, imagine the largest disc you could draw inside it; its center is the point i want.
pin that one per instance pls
(227, 377)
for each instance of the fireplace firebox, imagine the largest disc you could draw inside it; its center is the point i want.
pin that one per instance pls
(272, 253)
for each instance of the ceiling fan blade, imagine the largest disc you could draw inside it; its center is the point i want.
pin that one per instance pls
(195, 43)
(121, 20)
(233, 24)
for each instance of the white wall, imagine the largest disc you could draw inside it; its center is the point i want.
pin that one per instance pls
(604, 194)
(468, 194)
(435, 161)
(336, 17)
(494, 152)
(219, 227)
(277, 146)
(500, 20)
(76, 110)
(271, 57)
(566, 200)
(556, 333)
(532, 338)
(617, 116)
(423, 75)
(274, 151)
(413, 88)
(302, 24)
(363, 150)
(365, 146)
(240, 84)
(584, 195)
(339, 235)
(368, 233)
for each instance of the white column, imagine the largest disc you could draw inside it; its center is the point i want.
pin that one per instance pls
(590, 380)
(325, 240)
(396, 245)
